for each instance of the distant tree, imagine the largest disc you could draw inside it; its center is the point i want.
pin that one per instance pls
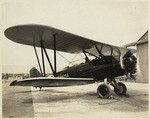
(6, 76)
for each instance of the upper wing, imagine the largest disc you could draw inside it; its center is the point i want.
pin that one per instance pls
(66, 42)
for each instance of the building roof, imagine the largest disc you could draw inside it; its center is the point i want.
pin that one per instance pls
(143, 39)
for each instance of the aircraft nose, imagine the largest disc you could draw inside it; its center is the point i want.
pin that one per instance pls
(13, 83)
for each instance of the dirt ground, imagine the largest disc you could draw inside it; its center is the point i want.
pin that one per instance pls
(16, 101)
(74, 102)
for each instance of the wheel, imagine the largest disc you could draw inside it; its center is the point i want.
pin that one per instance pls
(103, 91)
(122, 89)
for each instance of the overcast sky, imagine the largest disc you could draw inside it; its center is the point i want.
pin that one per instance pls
(115, 22)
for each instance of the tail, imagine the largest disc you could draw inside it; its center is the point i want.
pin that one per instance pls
(34, 73)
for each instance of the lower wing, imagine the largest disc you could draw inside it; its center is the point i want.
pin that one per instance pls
(52, 82)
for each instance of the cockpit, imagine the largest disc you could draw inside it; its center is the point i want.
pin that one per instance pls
(102, 54)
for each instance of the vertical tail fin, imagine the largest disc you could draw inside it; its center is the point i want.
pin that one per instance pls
(34, 73)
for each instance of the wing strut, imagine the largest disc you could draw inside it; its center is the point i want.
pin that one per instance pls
(54, 70)
(90, 53)
(87, 59)
(43, 59)
(43, 50)
(54, 35)
(99, 51)
(38, 60)
(47, 58)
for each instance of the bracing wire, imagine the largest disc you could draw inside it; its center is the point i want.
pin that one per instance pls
(64, 57)
(71, 62)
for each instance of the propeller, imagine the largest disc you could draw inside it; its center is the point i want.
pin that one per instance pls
(129, 64)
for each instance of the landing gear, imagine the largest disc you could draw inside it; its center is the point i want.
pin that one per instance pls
(103, 91)
(121, 90)
(40, 88)
(119, 87)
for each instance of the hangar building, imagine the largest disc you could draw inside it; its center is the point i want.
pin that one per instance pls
(142, 58)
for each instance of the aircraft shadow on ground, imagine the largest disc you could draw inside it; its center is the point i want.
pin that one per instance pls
(24, 91)
(56, 96)
(53, 95)
(53, 91)
(28, 101)
(60, 96)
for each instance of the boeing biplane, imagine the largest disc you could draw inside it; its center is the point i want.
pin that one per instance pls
(106, 63)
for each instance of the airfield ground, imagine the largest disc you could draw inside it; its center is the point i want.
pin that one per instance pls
(73, 102)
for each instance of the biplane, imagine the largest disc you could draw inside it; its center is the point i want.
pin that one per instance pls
(104, 64)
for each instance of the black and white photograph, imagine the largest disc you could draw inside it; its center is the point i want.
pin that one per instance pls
(74, 59)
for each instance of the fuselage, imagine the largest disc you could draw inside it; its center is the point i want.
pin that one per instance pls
(98, 69)
(81, 74)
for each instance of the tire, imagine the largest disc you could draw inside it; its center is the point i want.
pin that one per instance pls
(103, 91)
(122, 89)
